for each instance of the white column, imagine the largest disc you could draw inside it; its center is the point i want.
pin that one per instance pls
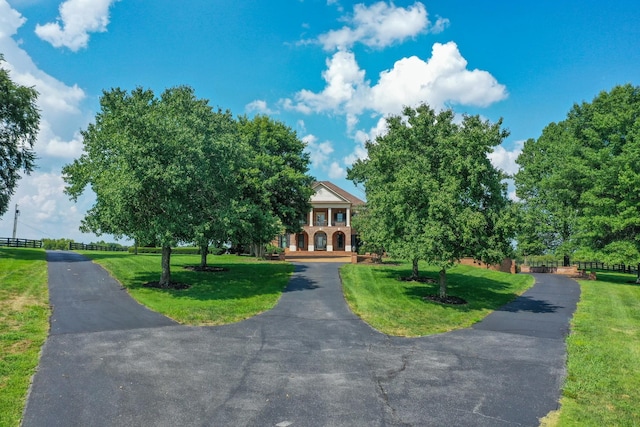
(348, 217)
(311, 218)
(329, 220)
(292, 243)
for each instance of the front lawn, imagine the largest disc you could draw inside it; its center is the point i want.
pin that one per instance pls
(395, 307)
(603, 380)
(24, 323)
(247, 288)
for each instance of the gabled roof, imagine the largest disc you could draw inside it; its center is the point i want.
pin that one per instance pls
(339, 192)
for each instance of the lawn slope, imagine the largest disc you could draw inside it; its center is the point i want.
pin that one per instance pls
(395, 307)
(246, 288)
(24, 323)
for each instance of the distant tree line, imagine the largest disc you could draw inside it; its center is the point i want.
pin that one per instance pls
(579, 183)
(170, 169)
(63, 244)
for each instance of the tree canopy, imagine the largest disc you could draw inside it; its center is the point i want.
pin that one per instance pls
(19, 124)
(432, 193)
(579, 181)
(276, 187)
(155, 165)
(170, 169)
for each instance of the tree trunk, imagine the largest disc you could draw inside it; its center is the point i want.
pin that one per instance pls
(566, 261)
(165, 278)
(414, 272)
(204, 251)
(443, 283)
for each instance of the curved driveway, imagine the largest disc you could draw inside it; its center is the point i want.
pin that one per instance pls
(308, 362)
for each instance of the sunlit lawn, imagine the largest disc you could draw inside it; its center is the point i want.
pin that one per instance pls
(603, 383)
(395, 307)
(24, 322)
(248, 287)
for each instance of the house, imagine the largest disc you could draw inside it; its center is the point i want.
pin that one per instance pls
(328, 226)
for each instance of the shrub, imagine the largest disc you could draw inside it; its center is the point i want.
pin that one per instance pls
(174, 251)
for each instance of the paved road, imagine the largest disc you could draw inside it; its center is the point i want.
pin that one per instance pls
(307, 362)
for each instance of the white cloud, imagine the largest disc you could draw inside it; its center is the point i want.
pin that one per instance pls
(259, 106)
(336, 171)
(69, 150)
(318, 152)
(10, 20)
(441, 80)
(360, 137)
(77, 19)
(344, 84)
(44, 210)
(504, 159)
(380, 25)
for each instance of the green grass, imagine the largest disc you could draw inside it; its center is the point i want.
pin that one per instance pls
(603, 380)
(396, 308)
(24, 323)
(249, 287)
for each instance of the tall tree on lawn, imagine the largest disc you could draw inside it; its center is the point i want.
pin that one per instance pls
(432, 192)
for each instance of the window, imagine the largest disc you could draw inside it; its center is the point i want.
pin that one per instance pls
(321, 219)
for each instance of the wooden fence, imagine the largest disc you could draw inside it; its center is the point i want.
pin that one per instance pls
(20, 243)
(588, 266)
(631, 269)
(82, 247)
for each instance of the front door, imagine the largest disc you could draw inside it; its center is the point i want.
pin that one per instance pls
(321, 242)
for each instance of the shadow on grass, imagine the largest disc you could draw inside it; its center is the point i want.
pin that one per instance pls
(480, 292)
(240, 281)
(26, 254)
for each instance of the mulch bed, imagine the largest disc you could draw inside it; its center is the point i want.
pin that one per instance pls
(420, 279)
(172, 285)
(207, 269)
(451, 300)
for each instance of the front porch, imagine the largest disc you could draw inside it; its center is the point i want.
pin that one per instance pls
(319, 256)
(321, 239)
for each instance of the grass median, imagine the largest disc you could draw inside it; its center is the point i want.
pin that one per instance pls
(603, 367)
(396, 307)
(244, 288)
(24, 323)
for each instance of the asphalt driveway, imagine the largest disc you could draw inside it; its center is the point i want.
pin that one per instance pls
(307, 362)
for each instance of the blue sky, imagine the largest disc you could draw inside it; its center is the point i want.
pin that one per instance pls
(330, 69)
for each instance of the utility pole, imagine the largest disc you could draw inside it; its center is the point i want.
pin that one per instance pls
(15, 222)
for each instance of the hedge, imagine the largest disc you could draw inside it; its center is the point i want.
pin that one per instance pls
(177, 251)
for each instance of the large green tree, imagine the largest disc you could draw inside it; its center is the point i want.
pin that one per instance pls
(154, 164)
(276, 186)
(548, 216)
(19, 124)
(432, 193)
(215, 216)
(581, 179)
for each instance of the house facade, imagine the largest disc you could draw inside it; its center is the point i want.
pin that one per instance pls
(328, 225)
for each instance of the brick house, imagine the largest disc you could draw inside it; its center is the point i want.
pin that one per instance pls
(328, 225)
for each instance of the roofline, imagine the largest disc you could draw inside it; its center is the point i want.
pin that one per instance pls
(355, 201)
